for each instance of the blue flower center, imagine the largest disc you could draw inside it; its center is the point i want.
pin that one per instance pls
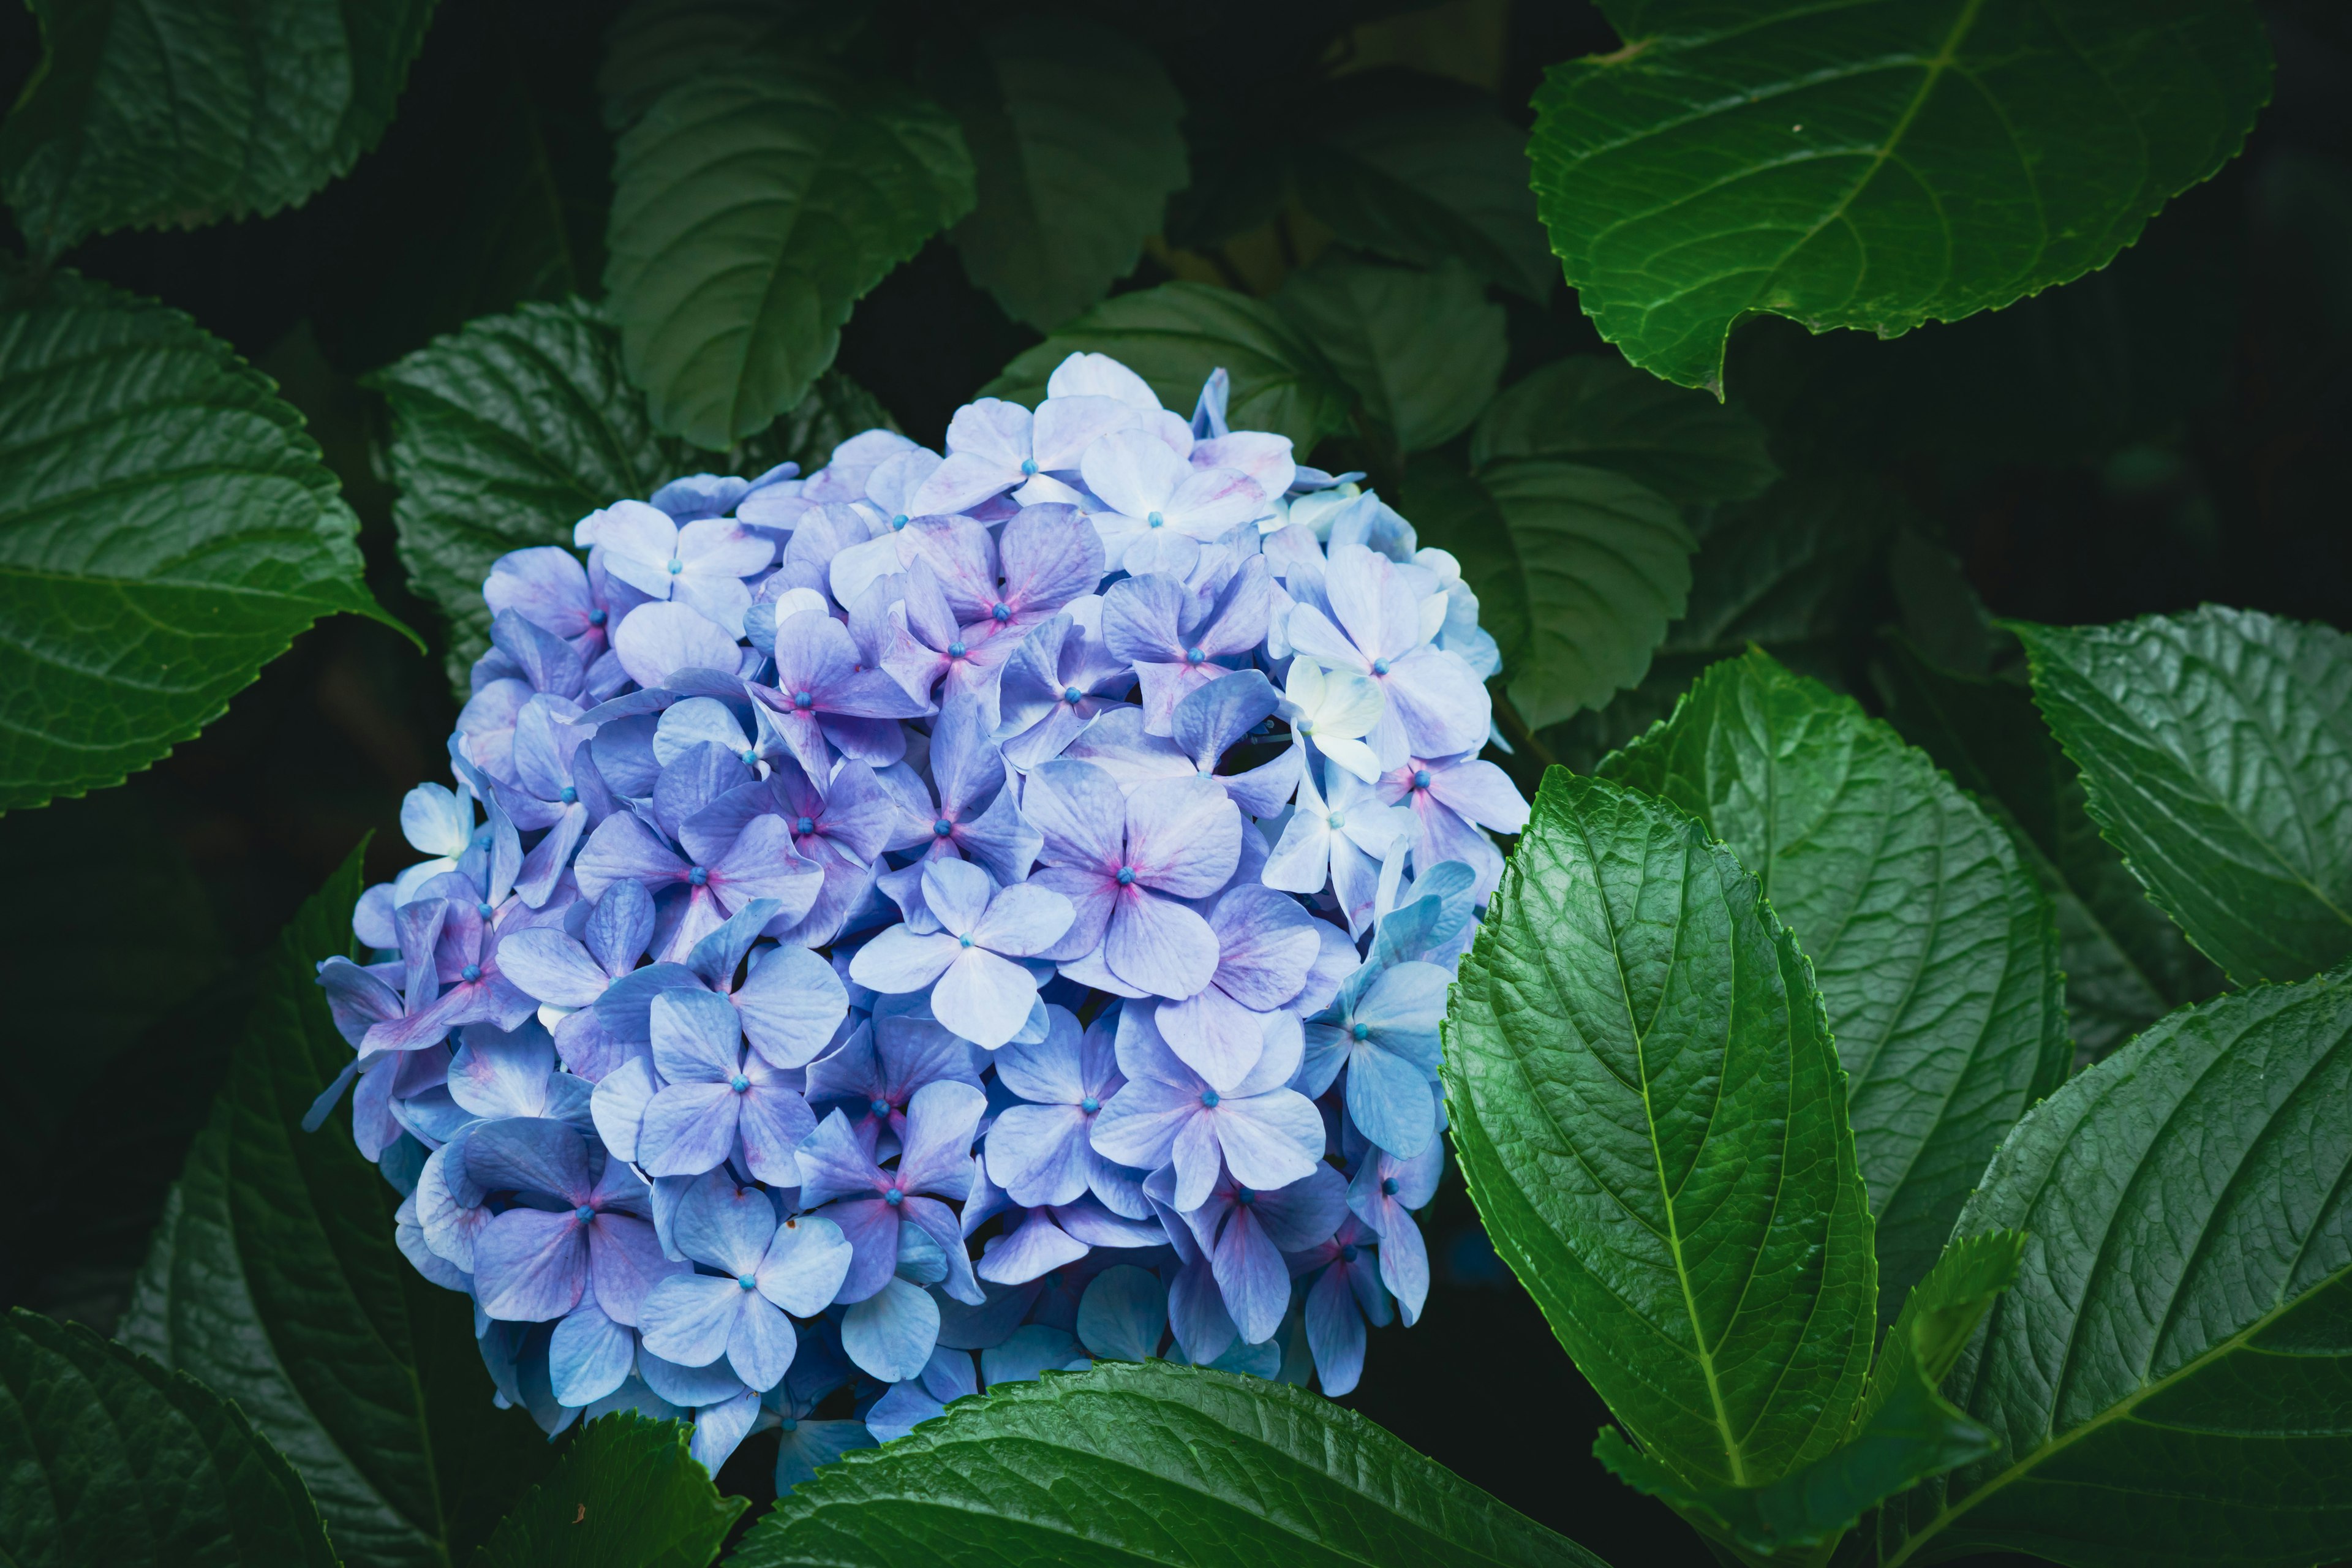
(1125, 877)
(956, 650)
(1379, 667)
(1193, 656)
(1421, 778)
(1348, 1252)
(747, 1282)
(583, 1213)
(1360, 1032)
(1244, 1196)
(803, 701)
(1002, 613)
(676, 566)
(1155, 521)
(1335, 820)
(700, 875)
(483, 909)
(943, 827)
(965, 939)
(893, 1197)
(751, 757)
(1028, 464)
(1387, 1186)
(878, 1107)
(897, 523)
(789, 1424)
(805, 825)
(1209, 1098)
(569, 795)
(1072, 695)
(739, 1084)
(470, 973)
(598, 618)
(1090, 1105)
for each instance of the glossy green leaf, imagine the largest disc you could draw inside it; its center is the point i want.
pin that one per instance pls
(1597, 409)
(2216, 750)
(166, 529)
(1933, 947)
(187, 111)
(275, 1280)
(1875, 165)
(1174, 335)
(2168, 1375)
(507, 434)
(654, 44)
(1651, 1117)
(1072, 132)
(2127, 964)
(106, 1458)
(1578, 571)
(1139, 1463)
(751, 209)
(1422, 349)
(625, 1494)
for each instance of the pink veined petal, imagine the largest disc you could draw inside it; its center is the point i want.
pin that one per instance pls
(1440, 700)
(1210, 502)
(530, 1266)
(1081, 811)
(963, 557)
(1091, 895)
(1250, 1272)
(769, 1130)
(1158, 945)
(1335, 1331)
(1183, 836)
(1481, 792)
(689, 1128)
(1312, 633)
(625, 1261)
(1133, 471)
(1066, 427)
(940, 1120)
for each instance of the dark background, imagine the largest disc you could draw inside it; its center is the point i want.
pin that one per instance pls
(2169, 432)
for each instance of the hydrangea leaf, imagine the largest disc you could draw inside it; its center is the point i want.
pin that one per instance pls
(2167, 1376)
(107, 1457)
(625, 1494)
(189, 111)
(507, 434)
(274, 1279)
(1933, 947)
(1597, 409)
(1422, 349)
(1651, 1117)
(1146, 1462)
(750, 210)
(1578, 571)
(1072, 132)
(1875, 165)
(1174, 335)
(2127, 964)
(166, 529)
(2216, 750)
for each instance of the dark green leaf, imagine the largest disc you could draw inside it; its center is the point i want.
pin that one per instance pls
(507, 434)
(166, 527)
(1578, 571)
(1174, 335)
(750, 210)
(106, 1458)
(1072, 132)
(187, 111)
(2168, 1374)
(1649, 1114)
(654, 44)
(2127, 964)
(1933, 948)
(1145, 1462)
(1597, 409)
(626, 1494)
(1875, 165)
(2216, 750)
(275, 1280)
(1423, 350)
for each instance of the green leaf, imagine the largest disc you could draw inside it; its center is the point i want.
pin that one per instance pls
(750, 210)
(1073, 134)
(2168, 1374)
(1597, 409)
(106, 1458)
(2127, 964)
(1419, 171)
(166, 529)
(2216, 750)
(1145, 1462)
(1651, 1120)
(507, 434)
(187, 111)
(275, 1280)
(626, 1494)
(1933, 948)
(1578, 571)
(1174, 335)
(654, 44)
(1423, 350)
(1877, 164)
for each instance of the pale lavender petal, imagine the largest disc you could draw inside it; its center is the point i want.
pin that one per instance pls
(1037, 1153)
(1049, 1072)
(694, 1036)
(957, 893)
(936, 1156)
(899, 960)
(531, 1155)
(655, 641)
(1081, 812)
(1031, 1252)
(618, 1105)
(1270, 1140)
(1183, 836)
(530, 1266)
(720, 1429)
(771, 1126)
(1214, 1036)
(1443, 703)
(625, 1260)
(1139, 1125)
(805, 1266)
(686, 1318)
(689, 1128)
(760, 1343)
(1022, 920)
(1334, 1333)
(1197, 1315)
(1404, 1267)
(589, 1356)
(1159, 945)
(1251, 1277)
(791, 1004)
(985, 998)
(890, 1334)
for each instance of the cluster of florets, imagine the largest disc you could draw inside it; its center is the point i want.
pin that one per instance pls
(1062, 847)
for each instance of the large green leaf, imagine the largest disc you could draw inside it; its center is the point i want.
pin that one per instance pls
(2216, 750)
(750, 210)
(166, 529)
(1578, 571)
(1422, 349)
(508, 433)
(626, 1494)
(180, 112)
(1933, 947)
(1651, 1120)
(275, 1280)
(1174, 335)
(2168, 1375)
(1877, 163)
(106, 1458)
(1597, 409)
(1137, 1463)
(2127, 964)
(1072, 132)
